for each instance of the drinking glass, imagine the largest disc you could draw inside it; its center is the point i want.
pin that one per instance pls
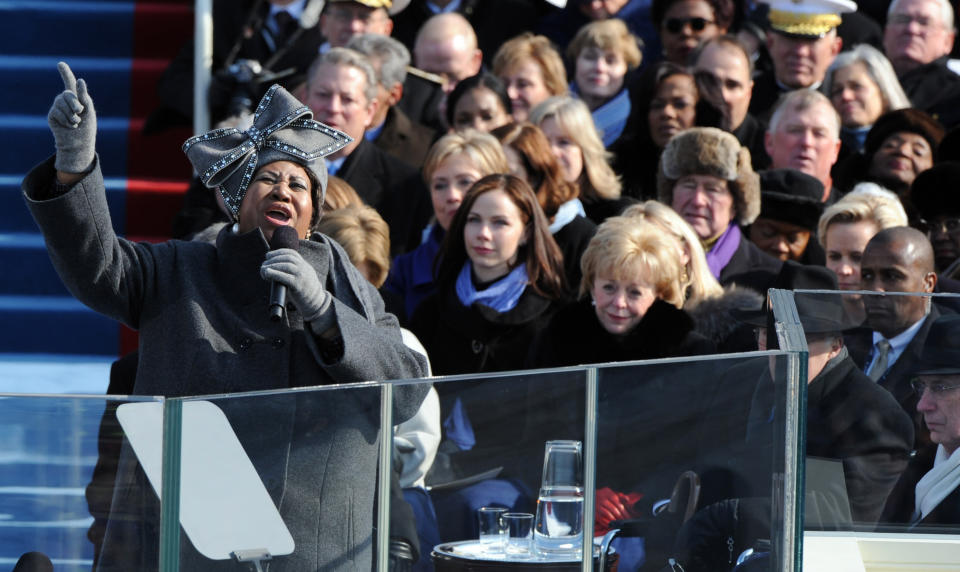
(519, 527)
(559, 523)
(492, 528)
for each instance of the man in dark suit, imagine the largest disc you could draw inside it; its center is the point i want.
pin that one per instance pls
(927, 492)
(342, 93)
(390, 129)
(898, 259)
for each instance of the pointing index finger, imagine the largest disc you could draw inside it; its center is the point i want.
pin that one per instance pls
(69, 81)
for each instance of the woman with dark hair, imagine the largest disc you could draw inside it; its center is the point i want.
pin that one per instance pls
(479, 102)
(499, 277)
(667, 101)
(531, 158)
(685, 24)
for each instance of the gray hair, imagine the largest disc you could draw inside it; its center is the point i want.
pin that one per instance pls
(946, 11)
(801, 100)
(349, 58)
(880, 70)
(392, 55)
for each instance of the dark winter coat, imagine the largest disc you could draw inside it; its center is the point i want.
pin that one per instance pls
(750, 267)
(404, 139)
(902, 500)
(573, 239)
(392, 187)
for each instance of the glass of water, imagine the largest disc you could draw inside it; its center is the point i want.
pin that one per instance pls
(558, 529)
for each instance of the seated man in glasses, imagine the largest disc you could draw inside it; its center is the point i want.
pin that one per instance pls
(927, 493)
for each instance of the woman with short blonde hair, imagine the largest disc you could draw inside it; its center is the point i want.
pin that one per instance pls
(630, 306)
(532, 69)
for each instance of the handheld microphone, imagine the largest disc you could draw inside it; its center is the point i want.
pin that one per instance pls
(283, 237)
(33, 562)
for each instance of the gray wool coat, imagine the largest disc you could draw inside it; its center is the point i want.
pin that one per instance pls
(201, 310)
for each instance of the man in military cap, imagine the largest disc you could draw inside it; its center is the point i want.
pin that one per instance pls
(803, 42)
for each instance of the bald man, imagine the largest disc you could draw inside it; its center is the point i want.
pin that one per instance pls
(898, 259)
(447, 46)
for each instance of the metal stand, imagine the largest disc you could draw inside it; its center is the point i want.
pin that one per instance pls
(254, 556)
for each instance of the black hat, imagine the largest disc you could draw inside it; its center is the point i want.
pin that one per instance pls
(949, 147)
(792, 196)
(903, 120)
(934, 191)
(818, 313)
(941, 350)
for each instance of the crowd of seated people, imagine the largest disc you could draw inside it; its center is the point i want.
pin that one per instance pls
(624, 180)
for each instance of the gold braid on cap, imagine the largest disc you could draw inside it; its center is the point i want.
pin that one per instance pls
(803, 24)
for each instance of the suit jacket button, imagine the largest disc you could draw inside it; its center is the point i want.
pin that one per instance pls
(477, 346)
(245, 344)
(277, 343)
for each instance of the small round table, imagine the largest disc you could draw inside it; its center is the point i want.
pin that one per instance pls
(468, 556)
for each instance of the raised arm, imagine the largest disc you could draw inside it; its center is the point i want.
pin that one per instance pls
(73, 122)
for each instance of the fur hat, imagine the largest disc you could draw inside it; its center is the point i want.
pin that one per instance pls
(711, 151)
(907, 120)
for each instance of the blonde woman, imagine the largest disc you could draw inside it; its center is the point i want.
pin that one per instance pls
(706, 300)
(453, 164)
(574, 140)
(532, 69)
(632, 295)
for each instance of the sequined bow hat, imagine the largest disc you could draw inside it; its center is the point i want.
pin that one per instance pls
(282, 130)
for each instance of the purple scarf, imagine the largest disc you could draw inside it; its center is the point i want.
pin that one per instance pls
(723, 249)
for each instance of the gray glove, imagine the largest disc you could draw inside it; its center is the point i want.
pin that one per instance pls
(74, 124)
(287, 267)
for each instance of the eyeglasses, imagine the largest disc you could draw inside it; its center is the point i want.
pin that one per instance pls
(935, 388)
(948, 226)
(675, 25)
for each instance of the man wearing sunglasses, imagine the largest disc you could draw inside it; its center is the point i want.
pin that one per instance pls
(803, 42)
(928, 492)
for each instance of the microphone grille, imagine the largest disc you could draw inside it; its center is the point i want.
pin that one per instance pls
(285, 237)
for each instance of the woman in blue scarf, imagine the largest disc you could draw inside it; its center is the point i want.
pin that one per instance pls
(500, 276)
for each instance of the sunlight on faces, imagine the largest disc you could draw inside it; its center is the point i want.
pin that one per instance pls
(941, 411)
(915, 35)
(454, 58)
(526, 87)
(799, 62)
(902, 156)
(673, 108)
(564, 148)
(780, 239)
(278, 195)
(844, 244)
(450, 182)
(678, 46)
(599, 75)
(336, 97)
(726, 74)
(856, 96)
(705, 202)
(479, 109)
(493, 233)
(621, 303)
(805, 140)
